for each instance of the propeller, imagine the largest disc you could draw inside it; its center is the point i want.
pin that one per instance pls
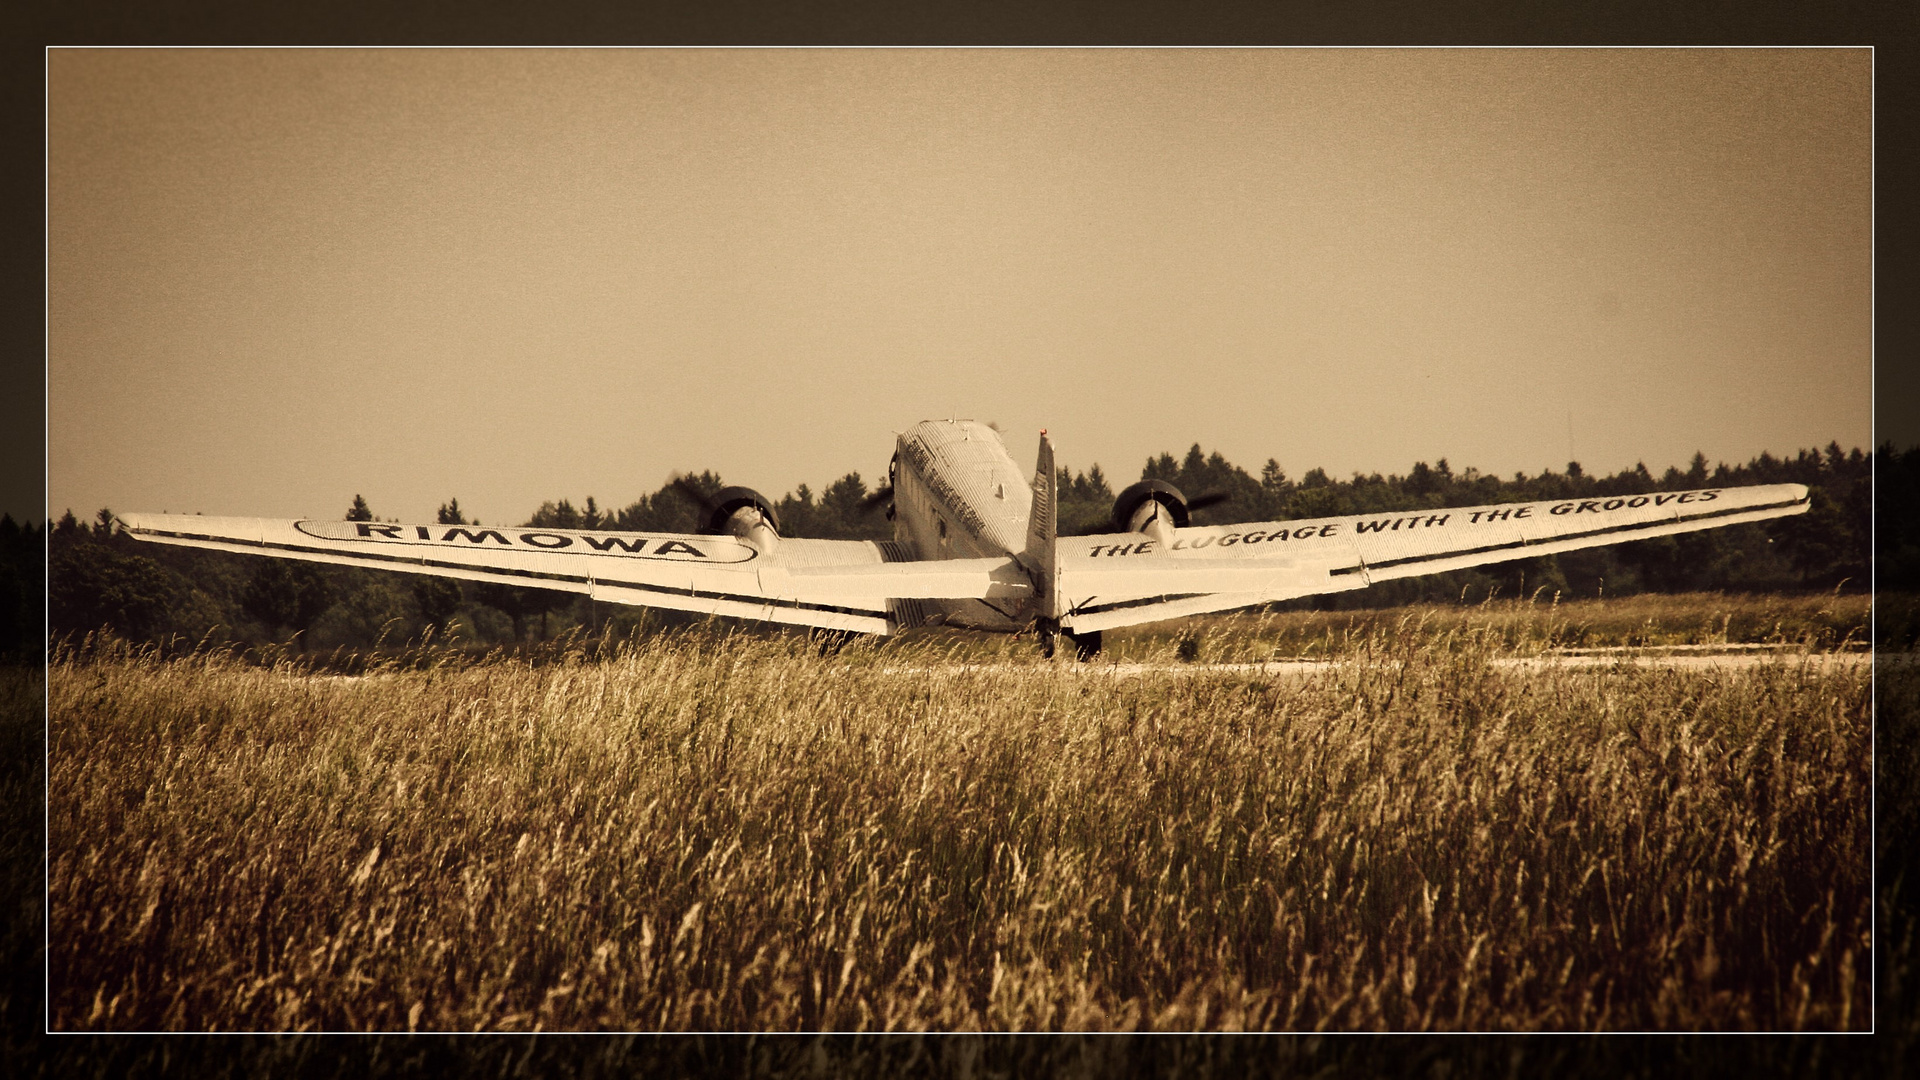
(874, 501)
(1211, 499)
(717, 510)
(692, 493)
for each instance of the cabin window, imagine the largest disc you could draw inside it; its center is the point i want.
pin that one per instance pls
(942, 522)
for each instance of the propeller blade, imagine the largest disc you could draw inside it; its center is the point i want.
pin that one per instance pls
(692, 494)
(1204, 501)
(874, 501)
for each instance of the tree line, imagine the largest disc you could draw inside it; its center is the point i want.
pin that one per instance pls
(1828, 547)
(98, 579)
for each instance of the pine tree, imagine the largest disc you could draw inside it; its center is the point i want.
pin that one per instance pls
(438, 598)
(284, 594)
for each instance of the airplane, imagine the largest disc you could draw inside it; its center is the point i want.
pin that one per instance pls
(976, 545)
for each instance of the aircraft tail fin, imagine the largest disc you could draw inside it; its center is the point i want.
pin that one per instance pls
(1040, 557)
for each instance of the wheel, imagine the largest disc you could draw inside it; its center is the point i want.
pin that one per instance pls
(1048, 631)
(1085, 646)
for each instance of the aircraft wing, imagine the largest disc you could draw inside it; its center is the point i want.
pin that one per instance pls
(1124, 578)
(835, 584)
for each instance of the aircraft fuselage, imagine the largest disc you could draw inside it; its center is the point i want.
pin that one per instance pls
(957, 494)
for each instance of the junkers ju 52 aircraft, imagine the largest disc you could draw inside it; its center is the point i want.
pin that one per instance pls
(975, 545)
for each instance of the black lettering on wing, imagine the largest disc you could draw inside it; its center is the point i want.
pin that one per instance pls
(607, 543)
(476, 537)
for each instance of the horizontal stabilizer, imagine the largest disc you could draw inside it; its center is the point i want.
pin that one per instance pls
(972, 579)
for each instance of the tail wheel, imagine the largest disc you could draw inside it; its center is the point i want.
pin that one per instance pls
(1086, 646)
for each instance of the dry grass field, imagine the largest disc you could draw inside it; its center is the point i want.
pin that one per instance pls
(1817, 622)
(703, 831)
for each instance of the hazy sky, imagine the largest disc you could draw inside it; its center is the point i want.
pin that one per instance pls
(280, 277)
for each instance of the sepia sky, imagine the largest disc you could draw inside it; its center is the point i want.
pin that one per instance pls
(277, 278)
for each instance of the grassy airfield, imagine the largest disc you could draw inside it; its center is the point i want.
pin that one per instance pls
(700, 831)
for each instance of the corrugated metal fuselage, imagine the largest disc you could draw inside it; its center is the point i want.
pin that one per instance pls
(957, 494)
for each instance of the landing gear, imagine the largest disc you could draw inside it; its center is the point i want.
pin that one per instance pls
(1085, 646)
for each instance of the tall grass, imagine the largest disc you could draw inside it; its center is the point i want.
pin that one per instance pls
(701, 832)
(1542, 621)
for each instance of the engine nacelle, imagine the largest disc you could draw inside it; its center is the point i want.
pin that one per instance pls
(726, 514)
(1138, 507)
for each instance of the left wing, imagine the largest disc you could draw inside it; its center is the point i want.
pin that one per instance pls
(1125, 578)
(834, 584)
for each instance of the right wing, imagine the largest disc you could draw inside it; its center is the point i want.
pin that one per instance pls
(834, 584)
(1125, 578)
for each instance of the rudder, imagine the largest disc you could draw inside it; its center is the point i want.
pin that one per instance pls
(1040, 557)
